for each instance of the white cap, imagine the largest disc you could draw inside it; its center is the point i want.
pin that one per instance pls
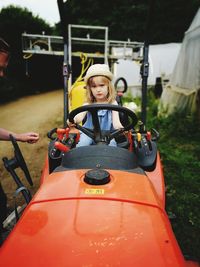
(98, 70)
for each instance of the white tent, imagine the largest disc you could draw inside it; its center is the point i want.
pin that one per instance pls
(181, 92)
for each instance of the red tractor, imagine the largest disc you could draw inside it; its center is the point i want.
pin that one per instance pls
(96, 205)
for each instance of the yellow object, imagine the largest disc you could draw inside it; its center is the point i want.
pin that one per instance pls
(77, 95)
(94, 191)
(139, 136)
(78, 91)
(29, 55)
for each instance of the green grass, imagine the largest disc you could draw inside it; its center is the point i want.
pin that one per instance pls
(179, 146)
(180, 151)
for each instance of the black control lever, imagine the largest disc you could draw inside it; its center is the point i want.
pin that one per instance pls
(155, 134)
(10, 165)
(50, 134)
(15, 162)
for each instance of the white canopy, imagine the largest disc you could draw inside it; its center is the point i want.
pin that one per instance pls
(182, 90)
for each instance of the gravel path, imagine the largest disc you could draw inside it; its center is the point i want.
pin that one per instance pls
(38, 113)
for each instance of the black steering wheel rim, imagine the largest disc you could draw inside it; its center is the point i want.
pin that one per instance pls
(20, 159)
(93, 108)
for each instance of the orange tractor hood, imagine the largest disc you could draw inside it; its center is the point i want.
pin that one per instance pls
(71, 223)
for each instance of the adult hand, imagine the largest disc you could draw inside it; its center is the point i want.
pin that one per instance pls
(30, 137)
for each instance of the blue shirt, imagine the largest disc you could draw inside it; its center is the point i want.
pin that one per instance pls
(105, 120)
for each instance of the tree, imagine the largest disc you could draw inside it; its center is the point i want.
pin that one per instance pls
(128, 18)
(13, 22)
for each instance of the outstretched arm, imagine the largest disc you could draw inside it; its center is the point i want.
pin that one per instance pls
(29, 137)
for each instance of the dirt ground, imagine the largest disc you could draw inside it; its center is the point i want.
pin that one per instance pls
(39, 113)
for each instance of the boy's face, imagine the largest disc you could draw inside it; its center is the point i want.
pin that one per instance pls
(3, 63)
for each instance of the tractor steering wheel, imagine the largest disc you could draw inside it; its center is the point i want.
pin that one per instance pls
(96, 133)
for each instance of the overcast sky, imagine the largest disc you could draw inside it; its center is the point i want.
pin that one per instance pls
(45, 9)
